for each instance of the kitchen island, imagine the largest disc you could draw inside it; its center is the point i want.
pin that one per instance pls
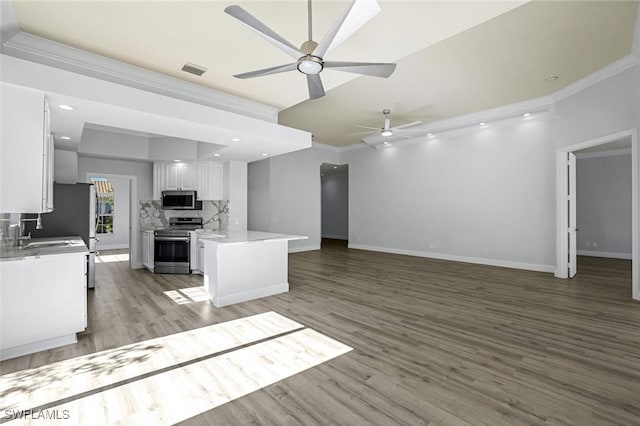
(245, 265)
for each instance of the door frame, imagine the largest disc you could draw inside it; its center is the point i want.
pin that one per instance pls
(134, 236)
(562, 221)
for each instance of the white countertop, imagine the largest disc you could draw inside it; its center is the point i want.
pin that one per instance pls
(44, 247)
(243, 237)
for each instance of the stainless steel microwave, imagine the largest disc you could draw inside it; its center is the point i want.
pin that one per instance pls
(180, 200)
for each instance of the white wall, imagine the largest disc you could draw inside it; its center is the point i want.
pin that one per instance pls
(65, 169)
(235, 191)
(485, 196)
(258, 202)
(604, 206)
(293, 194)
(335, 206)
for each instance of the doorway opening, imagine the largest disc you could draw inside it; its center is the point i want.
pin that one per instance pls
(334, 181)
(116, 223)
(597, 207)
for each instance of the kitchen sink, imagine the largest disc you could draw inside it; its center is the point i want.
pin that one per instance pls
(41, 244)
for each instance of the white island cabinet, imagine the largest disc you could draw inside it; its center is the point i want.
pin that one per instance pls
(245, 265)
(43, 297)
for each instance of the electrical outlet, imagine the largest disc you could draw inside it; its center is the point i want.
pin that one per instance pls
(587, 244)
(432, 245)
(485, 250)
(594, 244)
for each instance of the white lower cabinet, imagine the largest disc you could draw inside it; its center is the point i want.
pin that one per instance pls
(148, 250)
(43, 303)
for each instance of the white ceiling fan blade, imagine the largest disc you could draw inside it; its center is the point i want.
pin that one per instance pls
(366, 68)
(266, 71)
(404, 126)
(362, 133)
(264, 31)
(377, 129)
(316, 90)
(356, 15)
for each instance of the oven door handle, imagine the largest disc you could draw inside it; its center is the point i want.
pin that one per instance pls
(186, 239)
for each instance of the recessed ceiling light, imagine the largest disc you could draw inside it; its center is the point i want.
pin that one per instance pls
(526, 114)
(429, 134)
(217, 155)
(482, 124)
(551, 78)
(66, 107)
(177, 161)
(385, 142)
(235, 140)
(66, 138)
(264, 154)
(335, 167)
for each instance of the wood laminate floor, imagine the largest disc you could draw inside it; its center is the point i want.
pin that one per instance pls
(434, 342)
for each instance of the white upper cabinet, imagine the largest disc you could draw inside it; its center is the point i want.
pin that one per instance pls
(180, 176)
(205, 177)
(26, 152)
(210, 177)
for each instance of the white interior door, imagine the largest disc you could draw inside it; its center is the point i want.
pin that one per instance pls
(571, 206)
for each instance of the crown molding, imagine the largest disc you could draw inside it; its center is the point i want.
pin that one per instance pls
(46, 52)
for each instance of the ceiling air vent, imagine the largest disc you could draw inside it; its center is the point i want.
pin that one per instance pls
(194, 69)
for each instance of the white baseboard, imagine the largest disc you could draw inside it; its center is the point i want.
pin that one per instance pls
(137, 265)
(249, 295)
(455, 258)
(336, 237)
(34, 347)
(611, 255)
(303, 248)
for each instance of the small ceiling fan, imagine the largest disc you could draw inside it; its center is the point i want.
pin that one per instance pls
(387, 130)
(310, 57)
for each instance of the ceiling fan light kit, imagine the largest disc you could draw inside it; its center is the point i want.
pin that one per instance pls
(310, 56)
(387, 130)
(310, 65)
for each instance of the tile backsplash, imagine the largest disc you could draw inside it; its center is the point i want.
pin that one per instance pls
(214, 214)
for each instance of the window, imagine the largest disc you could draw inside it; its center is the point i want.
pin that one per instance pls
(104, 205)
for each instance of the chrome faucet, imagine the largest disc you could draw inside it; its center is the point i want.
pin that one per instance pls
(20, 239)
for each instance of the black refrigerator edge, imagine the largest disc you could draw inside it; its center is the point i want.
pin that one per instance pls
(74, 214)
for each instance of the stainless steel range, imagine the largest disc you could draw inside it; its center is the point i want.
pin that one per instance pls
(172, 246)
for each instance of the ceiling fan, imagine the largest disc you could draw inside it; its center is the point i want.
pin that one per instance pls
(386, 129)
(310, 57)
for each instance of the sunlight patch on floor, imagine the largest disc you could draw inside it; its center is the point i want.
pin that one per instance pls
(50, 383)
(187, 295)
(184, 392)
(108, 258)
